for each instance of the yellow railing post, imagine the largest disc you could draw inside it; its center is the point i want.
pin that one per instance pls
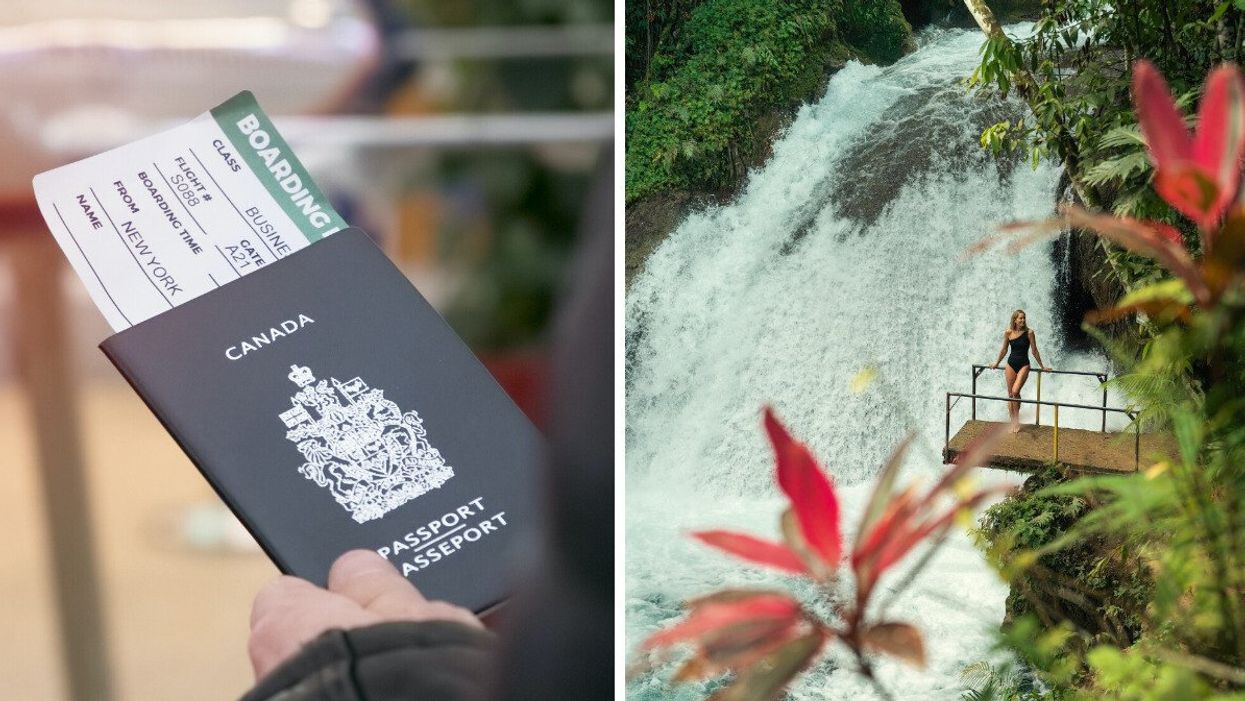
(1038, 419)
(1056, 431)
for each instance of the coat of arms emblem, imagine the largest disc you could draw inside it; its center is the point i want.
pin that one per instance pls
(372, 456)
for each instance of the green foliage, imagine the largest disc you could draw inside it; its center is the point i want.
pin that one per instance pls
(1161, 552)
(508, 227)
(688, 121)
(877, 29)
(1094, 581)
(505, 12)
(705, 73)
(652, 24)
(1078, 60)
(1045, 650)
(1128, 676)
(990, 683)
(516, 264)
(1074, 71)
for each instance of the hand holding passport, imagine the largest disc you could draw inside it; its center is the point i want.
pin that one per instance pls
(319, 394)
(362, 590)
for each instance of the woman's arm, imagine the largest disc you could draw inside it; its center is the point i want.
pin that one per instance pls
(1036, 354)
(1002, 351)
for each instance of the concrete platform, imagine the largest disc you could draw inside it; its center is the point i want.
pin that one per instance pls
(1080, 450)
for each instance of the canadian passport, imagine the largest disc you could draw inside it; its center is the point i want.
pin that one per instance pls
(332, 408)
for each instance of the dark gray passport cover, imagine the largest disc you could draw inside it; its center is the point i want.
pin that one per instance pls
(332, 408)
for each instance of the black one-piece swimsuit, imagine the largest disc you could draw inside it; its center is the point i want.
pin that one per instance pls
(1019, 357)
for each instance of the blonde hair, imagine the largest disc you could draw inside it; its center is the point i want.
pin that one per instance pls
(1012, 325)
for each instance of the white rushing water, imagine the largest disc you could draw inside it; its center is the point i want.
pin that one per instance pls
(845, 251)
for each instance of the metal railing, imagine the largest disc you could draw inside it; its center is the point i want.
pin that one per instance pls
(1039, 403)
(1102, 378)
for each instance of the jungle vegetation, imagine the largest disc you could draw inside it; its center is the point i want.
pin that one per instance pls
(1134, 587)
(701, 73)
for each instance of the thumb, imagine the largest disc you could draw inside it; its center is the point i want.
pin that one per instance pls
(372, 582)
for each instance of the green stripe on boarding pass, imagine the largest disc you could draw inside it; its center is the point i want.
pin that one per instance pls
(275, 165)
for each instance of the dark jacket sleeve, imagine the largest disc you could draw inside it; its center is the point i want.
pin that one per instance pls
(432, 661)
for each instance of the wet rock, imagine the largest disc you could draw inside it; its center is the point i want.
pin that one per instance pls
(1084, 282)
(650, 219)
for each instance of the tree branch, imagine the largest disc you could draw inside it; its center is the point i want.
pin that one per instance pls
(1027, 87)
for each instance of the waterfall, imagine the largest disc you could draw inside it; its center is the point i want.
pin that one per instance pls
(1072, 298)
(844, 257)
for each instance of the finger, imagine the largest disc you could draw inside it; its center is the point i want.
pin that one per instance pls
(370, 581)
(277, 593)
(289, 613)
(445, 611)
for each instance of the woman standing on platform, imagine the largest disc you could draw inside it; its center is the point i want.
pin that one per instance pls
(1020, 339)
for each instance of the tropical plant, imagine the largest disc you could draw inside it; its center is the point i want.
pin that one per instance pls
(1096, 582)
(988, 682)
(1073, 69)
(1199, 176)
(1182, 518)
(767, 637)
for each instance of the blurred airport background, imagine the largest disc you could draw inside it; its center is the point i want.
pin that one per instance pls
(464, 135)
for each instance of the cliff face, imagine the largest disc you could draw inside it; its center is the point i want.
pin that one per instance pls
(1086, 282)
(650, 219)
(1029, 520)
(697, 122)
(712, 84)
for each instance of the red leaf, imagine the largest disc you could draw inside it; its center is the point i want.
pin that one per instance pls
(904, 523)
(1225, 265)
(810, 491)
(793, 536)
(1197, 175)
(753, 549)
(711, 617)
(1166, 134)
(1192, 191)
(696, 668)
(1168, 232)
(893, 524)
(768, 677)
(884, 486)
(1143, 238)
(742, 640)
(1160, 309)
(978, 452)
(1024, 233)
(739, 647)
(902, 640)
(895, 549)
(1220, 138)
(723, 596)
(898, 511)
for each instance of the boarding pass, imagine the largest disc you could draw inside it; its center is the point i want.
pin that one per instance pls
(155, 223)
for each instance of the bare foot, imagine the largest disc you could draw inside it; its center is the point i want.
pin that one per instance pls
(1015, 428)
